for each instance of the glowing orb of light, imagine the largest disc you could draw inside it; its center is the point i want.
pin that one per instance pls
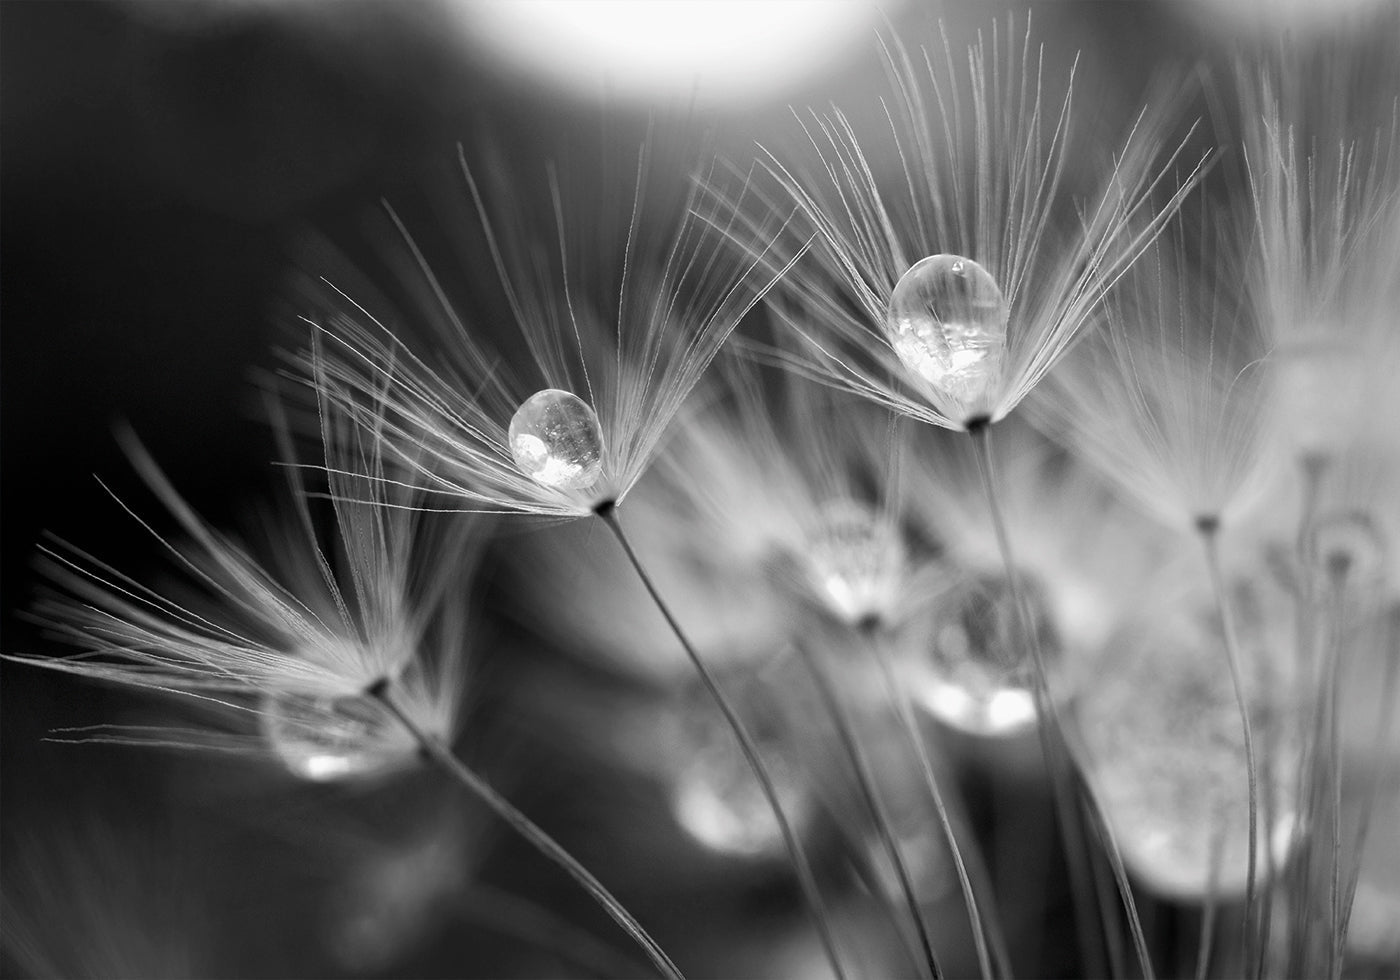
(715, 52)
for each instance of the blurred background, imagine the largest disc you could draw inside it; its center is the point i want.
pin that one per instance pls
(161, 162)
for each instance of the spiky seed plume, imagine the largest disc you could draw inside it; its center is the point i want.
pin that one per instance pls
(627, 323)
(981, 168)
(289, 641)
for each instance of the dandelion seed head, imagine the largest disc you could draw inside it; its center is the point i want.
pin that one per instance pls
(947, 322)
(855, 560)
(555, 439)
(977, 676)
(329, 739)
(1350, 548)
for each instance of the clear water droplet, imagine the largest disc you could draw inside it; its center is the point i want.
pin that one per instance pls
(326, 739)
(855, 561)
(555, 440)
(947, 322)
(978, 676)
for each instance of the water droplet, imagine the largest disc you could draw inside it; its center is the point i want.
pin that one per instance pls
(947, 322)
(978, 677)
(855, 561)
(556, 440)
(1165, 751)
(325, 739)
(715, 796)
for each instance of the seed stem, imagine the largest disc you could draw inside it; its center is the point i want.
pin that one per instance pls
(900, 696)
(878, 811)
(607, 513)
(1209, 528)
(527, 829)
(1384, 724)
(1052, 737)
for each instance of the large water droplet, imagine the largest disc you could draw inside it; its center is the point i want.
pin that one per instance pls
(947, 322)
(556, 440)
(325, 739)
(979, 672)
(1165, 751)
(855, 561)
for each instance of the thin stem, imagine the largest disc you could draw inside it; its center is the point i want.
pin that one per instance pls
(871, 795)
(806, 879)
(1334, 760)
(510, 915)
(1313, 470)
(1212, 909)
(1052, 737)
(1383, 728)
(526, 828)
(1209, 529)
(900, 697)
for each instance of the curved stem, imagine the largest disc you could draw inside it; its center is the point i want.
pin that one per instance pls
(527, 829)
(900, 697)
(1052, 739)
(511, 915)
(879, 813)
(806, 879)
(1209, 530)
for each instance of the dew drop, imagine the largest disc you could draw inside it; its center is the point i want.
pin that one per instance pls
(326, 739)
(947, 322)
(855, 561)
(979, 676)
(555, 439)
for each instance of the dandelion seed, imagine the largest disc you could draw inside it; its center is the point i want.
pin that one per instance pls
(636, 339)
(1324, 179)
(856, 561)
(1170, 400)
(946, 290)
(615, 338)
(293, 644)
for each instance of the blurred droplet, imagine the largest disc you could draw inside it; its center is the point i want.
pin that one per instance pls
(325, 739)
(855, 561)
(717, 799)
(977, 677)
(1165, 751)
(947, 322)
(556, 441)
